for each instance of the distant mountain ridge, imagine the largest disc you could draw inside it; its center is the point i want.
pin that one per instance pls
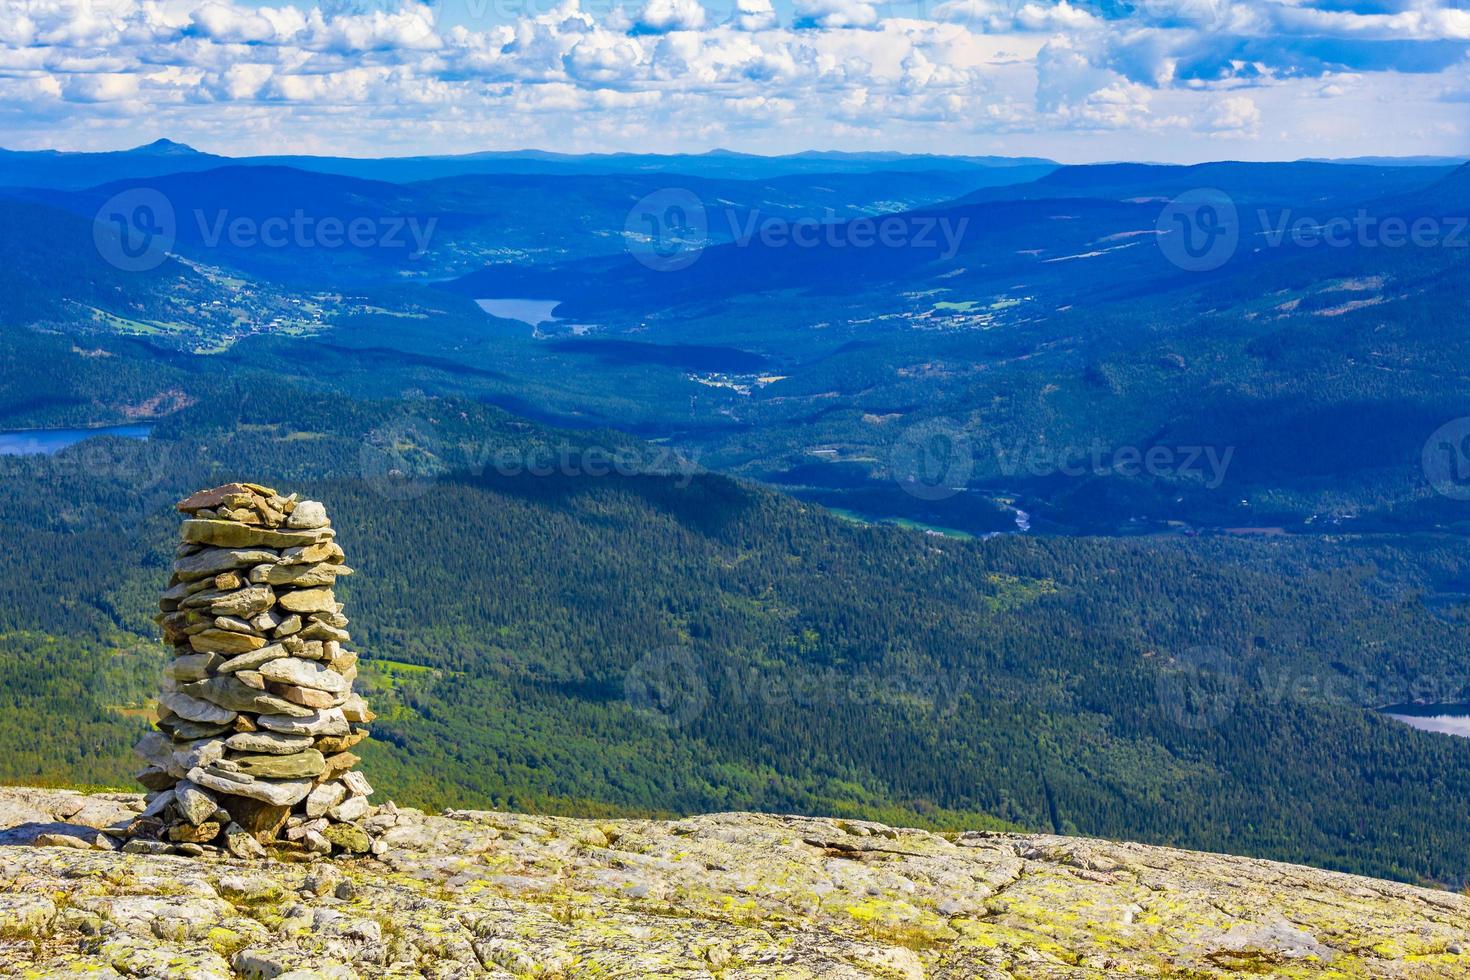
(470, 220)
(65, 170)
(61, 170)
(1294, 183)
(1411, 161)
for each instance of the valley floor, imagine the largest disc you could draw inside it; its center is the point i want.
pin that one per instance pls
(733, 895)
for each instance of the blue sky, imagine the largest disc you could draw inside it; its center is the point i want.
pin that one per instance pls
(1179, 80)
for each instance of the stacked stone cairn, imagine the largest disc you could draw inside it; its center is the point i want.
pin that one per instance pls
(257, 717)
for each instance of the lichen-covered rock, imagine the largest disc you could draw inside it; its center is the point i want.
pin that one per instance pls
(729, 896)
(349, 838)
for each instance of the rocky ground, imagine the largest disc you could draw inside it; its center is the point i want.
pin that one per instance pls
(477, 894)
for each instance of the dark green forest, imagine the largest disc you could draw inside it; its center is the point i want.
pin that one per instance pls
(560, 616)
(662, 640)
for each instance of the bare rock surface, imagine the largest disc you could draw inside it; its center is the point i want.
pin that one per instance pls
(733, 896)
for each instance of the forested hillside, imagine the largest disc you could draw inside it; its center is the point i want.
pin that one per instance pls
(628, 633)
(677, 641)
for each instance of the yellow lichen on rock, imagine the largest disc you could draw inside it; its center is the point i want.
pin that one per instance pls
(720, 897)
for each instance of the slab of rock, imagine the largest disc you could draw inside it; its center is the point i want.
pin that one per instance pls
(157, 805)
(234, 694)
(300, 576)
(193, 803)
(253, 659)
(189, 730)
(286, 792)
(212, 498)
(57, 839)
(249, 601)
(155, 778)
(327, 722)
(200, 752)
(212, 561)
(155, 748)
(193, 666)
(338, 764)
(261, 820)
(300, 765)
(194, 709)
(736, 895)
(309, 601)
(357, 784)
(266, 622)
(242, 844)
(225, 641)
(311, 554)
(304, 673)
(234, 624)
(305, 696)
(350, 809)
(349, 838)
(194, 833)
(272, 743)
(332, 744)
(229, 534)
(356, 709)
(321, 631)
(324, 797)
(250, 678)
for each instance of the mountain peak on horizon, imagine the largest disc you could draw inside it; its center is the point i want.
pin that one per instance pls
(165, 147)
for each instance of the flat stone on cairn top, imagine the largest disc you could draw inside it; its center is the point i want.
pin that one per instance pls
(257, 716)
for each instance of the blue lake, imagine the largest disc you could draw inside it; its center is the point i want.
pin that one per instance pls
(1447, 719)
(31, 442)
(532, 311)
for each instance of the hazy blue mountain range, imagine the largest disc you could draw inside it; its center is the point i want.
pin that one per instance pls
(447, 227)
(1419, 161)
(1043, 314)
(74, 171)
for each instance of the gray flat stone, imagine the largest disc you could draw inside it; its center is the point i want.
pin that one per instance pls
(284, 792)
